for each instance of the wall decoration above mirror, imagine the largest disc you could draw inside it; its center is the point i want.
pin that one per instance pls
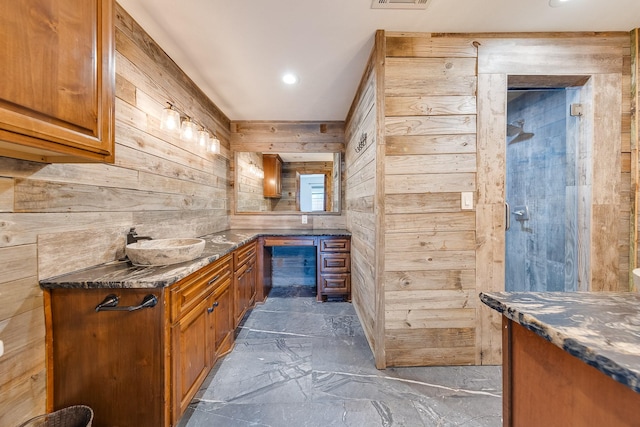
(287, 182)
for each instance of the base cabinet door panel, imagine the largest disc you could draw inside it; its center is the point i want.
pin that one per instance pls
(112, 361)
(192, 354)
(223, 325)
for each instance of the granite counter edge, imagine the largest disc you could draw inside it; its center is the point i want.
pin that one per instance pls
(66, 280)
(569, 344)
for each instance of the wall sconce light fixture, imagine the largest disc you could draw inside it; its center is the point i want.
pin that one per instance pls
(188, 130)
(170, 119)
(175, 120)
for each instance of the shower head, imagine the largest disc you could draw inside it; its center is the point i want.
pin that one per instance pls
(522, 136)
(516, 129)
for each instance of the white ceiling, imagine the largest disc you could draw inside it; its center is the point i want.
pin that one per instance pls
(237, 50)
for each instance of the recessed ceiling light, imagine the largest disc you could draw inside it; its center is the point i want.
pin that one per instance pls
(290, 79)
(557, 3)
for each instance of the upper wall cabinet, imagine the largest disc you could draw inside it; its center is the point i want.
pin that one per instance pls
(272, 164)
(58, 80)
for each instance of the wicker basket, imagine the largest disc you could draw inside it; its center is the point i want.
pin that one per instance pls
(73, 416)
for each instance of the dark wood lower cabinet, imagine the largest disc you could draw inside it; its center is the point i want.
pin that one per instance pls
(245, 278)
(139, 368)
(116, 362)
(543, 385)
(334, 268)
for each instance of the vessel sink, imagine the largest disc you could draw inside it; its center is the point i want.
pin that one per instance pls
(164, 251)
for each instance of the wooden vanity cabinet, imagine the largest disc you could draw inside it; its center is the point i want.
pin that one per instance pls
(334, 268)
(245, 279)
(138, 368)
(202, 329)
(116, 362)
(272, 166)
(57, 94)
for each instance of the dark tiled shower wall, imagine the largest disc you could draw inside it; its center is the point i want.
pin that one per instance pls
(542, 175)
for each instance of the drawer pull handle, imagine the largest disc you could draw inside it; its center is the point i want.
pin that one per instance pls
(110, 303)
(216, 277)
(213, 307)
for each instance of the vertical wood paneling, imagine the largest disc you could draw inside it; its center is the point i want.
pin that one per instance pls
(490, 210)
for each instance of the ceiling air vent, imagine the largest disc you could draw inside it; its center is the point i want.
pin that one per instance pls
(400, 4)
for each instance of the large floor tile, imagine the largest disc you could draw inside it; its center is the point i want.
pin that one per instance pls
(298, 362)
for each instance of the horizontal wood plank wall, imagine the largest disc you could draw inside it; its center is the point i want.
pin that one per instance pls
(285, 137)
(430, 260)
(63, 217)
(250, 188)
(604, 60)
(360, 204)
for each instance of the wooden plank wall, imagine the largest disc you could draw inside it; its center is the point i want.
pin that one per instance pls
(285, 137)
(361, 178)
(249, 187)
(445, 133)
(430, 260)
(62, 217)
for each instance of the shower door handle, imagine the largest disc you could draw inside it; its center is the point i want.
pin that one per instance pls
(507, 216)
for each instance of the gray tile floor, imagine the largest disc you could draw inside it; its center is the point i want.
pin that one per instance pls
(302, 363)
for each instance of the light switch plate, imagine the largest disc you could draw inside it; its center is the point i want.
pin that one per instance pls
(466, 200)
(1, 348)
(304, 219)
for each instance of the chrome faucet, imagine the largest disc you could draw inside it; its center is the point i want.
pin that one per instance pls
(133, 237)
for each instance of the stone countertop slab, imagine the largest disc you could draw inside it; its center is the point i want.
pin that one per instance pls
(123, 274)
(601, 329)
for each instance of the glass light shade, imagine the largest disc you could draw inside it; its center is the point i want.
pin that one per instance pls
(170, 119)
(215, 145)
(203, 138)
(188, 130)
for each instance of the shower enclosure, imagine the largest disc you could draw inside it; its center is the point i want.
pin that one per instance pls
(545, 199)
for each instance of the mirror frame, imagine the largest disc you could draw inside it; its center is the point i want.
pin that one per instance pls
(338, 200)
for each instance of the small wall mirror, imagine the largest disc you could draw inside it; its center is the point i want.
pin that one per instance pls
(287, 182)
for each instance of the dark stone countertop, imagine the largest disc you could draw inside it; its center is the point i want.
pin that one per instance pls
(123, 274)
(601, 329)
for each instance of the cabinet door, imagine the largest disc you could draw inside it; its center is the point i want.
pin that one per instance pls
(272, 165)
(242, 287)
(112, 361)
(222, 325)
(252, 272)
(57, 95)
(191, 352)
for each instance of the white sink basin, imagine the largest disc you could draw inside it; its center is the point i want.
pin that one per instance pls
(164, 251)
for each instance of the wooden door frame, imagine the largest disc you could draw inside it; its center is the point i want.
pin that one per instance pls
(605, 104)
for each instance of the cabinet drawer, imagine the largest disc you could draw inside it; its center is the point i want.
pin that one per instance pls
(244, 254)
(289, 241)
(335, 244)
(190, 291)
(335, 284)
(335, 263)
